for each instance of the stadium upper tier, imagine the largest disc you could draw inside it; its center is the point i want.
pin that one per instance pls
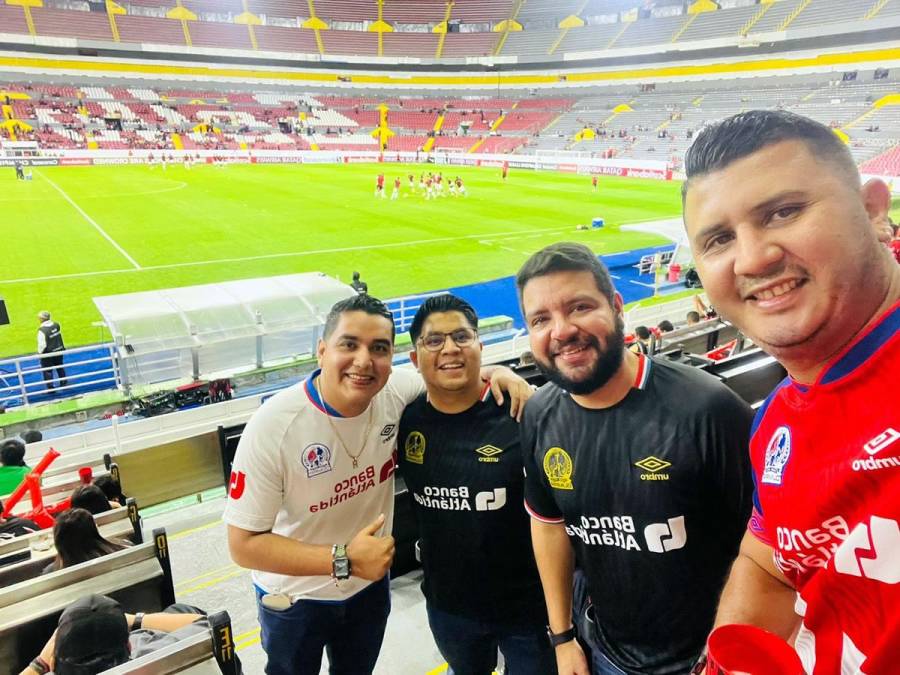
(650, 122)
(536, 30)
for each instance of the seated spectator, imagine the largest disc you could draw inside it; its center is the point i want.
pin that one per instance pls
(665, 326)
(693, 318)
(32, 436)
(91, 498)
(94, 635)
(77, 540)
(15, 527)
(112, 489)
(12, 465)
(642, 344)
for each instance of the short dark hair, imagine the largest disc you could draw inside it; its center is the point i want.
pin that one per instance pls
(743, 134)
(441, 303)
(111, 488)
(32, 436)
(566, 257)
(693, 316)
(77, 539)
(642, 332)
(357, 303)
(12, 452)
(90, 498)
(665, 326)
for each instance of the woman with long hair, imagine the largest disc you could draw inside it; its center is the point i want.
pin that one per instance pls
(77, 540)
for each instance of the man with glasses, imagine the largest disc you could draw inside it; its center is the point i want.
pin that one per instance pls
(461, 459)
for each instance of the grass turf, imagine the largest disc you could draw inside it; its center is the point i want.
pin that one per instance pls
(242, 221)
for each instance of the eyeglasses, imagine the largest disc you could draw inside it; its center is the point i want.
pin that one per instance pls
(462, 337)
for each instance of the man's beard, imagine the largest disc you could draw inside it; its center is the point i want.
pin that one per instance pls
(609, 361)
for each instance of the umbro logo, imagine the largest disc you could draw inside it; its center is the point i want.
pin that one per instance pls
(653, 466)
(388, 432)
(489, 453)
(875, 446)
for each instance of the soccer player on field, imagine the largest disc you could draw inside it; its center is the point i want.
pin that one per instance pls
(504, 172)
(636, 466)
(784, 239)
(429, 188)
(594, 182)
(396, 192)
(460, 187)
(412, 183)
(379, 185)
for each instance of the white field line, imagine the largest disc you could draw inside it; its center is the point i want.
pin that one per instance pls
(270, 256)
(91, 221)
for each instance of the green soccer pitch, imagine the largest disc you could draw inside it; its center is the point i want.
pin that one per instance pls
(75, 233)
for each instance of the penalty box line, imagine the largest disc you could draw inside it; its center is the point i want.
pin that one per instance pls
(271, 256)
(93, 222)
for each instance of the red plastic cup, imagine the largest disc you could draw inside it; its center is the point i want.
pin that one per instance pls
(737, 649)
(86, 475)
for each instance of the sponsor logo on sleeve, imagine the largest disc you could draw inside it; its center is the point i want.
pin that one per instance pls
(415, 447)
(778, 453)
(489, 453)
(654, 467)
(316, 459)
(236, 484)
(558, 467)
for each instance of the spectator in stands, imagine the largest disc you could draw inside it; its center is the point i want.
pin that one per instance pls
(14, 526)
(609, 422)
(321, 566)
(49, 343)
(91, 498)
(693, 318)
(642, 344)
(665, 326)
(782, 234)
(502, 606)
(77, 540)
(32, 436)
(94, 635)
(12, 465)
(112, 489)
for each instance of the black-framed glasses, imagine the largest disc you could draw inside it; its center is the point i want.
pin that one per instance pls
(462, 337)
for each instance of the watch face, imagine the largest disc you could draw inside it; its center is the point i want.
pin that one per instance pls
(342, 568)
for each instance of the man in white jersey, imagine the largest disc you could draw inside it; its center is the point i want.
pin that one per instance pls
(311, 496)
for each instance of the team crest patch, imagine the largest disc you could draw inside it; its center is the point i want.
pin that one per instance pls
(316, 459)
(415, 448)
(778, 453)
(558, 467)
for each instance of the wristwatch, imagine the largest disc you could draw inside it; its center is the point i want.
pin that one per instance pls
(340, 563)
(557, 639)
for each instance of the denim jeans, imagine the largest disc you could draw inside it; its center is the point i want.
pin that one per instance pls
(470, 646)
(600, 663)
(350, 632)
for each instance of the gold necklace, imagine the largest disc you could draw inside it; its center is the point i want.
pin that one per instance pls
(362, 447)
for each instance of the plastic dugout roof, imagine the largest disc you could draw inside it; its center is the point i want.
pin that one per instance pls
(173, 318)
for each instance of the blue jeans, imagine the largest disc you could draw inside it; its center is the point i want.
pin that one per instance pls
(350, 632)
(600, 663)
(470, 646)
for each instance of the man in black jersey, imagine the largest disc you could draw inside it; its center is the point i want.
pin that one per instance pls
(462, 462)
(639, 465)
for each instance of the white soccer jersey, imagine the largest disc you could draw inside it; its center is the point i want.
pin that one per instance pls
(292, 475)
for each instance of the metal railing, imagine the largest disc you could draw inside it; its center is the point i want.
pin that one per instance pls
(404, 309)
(23, 380)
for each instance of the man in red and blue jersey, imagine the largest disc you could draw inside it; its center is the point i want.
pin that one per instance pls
(784, 237)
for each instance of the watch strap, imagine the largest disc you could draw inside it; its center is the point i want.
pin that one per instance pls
(557, 639)
(39, 665)
(138, 621)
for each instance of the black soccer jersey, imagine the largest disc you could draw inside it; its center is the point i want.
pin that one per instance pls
(655, 494)
(464, 473)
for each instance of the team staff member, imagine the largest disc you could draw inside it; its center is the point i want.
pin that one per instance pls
(462, 462)
(311, 497)
(49, 342)
(639, 465)
(784, 237)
